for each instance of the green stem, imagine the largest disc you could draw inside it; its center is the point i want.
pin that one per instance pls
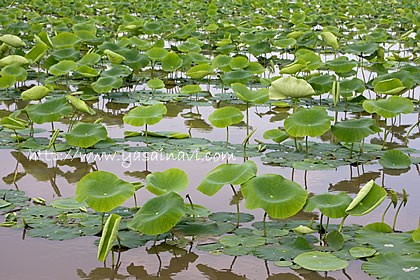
(328, 222)
(237, 205)
(396, 215)
(386, 210)
(408, 133)
(351, 150)
(192, 205)
(147, 142)
(342, 223)
(227, 136)
(306, 145)
(265, 229)
(247, 119)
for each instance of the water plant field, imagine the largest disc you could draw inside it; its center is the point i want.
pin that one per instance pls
(209, 140)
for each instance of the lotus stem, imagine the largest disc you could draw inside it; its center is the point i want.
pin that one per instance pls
(342, 223)
(102, 221)
(396, 215)
(411, 128)
(135, 200)
(154, 242)
(265, 229)
(237, 205)
(247, 118)
(386, 210)
(17, 138)
(306, 145)
(227, 136)
(351, 150)
(328, 222)
(147, 143)
(192, 205)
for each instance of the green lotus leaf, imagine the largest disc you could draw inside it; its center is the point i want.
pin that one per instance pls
(395, 159)
(335, 240)
(171, 62)
(157, 54)
(221, 61)
(292, 68)
(290, 87)
(390, 86)
(106, 84)
(393, 266)
(142, 115)
(226, 116)
(67, 203)
(225, 217)
(284, 42)
(134, 59)
(259, 48)
(63, 67)
(390, 107)
(322, 83)
(103, 191)
(109, 235)
(277, 252)
(354, 130)
(141, 44)
(331, 205)
(248, 96)
(367, 47)
(347, 87)
(398, 243)
(80, 105)
(308, 122)
(224, 174)
(155, 84)
(36, 53)
(152, 28)
(341, 64)
(199, 71)
(330, 39)
(35, 93)
(85, 26)
(18, 72)
(85, 135)
(255, 68)
(66, 54)
(65, 40)
(189, 47)
(113, 57)
(4, 203)
(167, 134)
(44, 38)
(51, 110)
(280, 198)
(190, 89)
(303, 230)
(13, 123)
(237, 76)
(238, 62)
(245, 241)
(89, 59)
(277, 135)
(7, 81)
(171, 180)
(361, 252)
(117, 71)
(13, 59)
(87, 71)
(159, 214)
(368, 198)
(320, 261)
(198, 211)
(12, 40)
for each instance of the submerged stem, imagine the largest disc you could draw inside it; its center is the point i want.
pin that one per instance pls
(265, 230)
(237, 205)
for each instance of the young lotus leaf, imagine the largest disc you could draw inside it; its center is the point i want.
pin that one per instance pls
(368, 198)
(65, 40)
(157, 54)
(320, 261)
(277, 135)
(142, 115)
(13, 59)
(155, 84)
(238, 62)
(171, 62)
(330, 39)
(248, 96)
(171, 180)
(51, 110)
(335, 240)
(308, 122)
(87, 71)
(361, 252)
(290, 87)
(18, 72)
(109, 235)
(237, 76)
(199, 71)
(224, 174)
(44, 38)
(292, 68)
(7, 81)
(190, 89)
(226, 116)
(341, 64)
(113, 57)
(354, 130)
(85, 135)
(279, 197)
(390, 107)
(80, 105)
(12, 40)
(67, 203)
(103, 191)
(390, 86)
(35, 93)
(159, 214)
(63, 67)
(13, 123)
(331, 205)
(106, 84)
(395, 159)
(393, 266)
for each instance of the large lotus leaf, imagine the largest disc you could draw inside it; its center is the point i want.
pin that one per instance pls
(259, 48)
(13, 59)
(221, 61)
(277, 135)
(347, 87)
(190, 89)
(18, 72)
(320, 261)
(237, 76)
(368, 198)
(7, 81)
(199, 71)
(145, 115)
(406, 77)
(224, 174)
(398, 243)
(106, 84)
(50, 111)
(103, 191)
(134, 59)
(367, 47)
(245, 241)
(152, 28)
(171, 62)
(238, 62)
(65, 40)
(117, 71)
(390, 86)
(390, 107)
(279, 197)
(189, 47)
(12, 40)
(322, 83)
(114, 57)
(226, 116)
(89, 59)
(35, 93)
(109, 235)
(341, 64)
(44, 38)
(308, 122)
(85, 135)
(331, 205)
(173, 179)
(354, 130)
(330, 39)
(159, 214)
(395, 159)
(67, 203)
(80, 105)
(255, 68)
(66, 54)
(13, 123)
(290, 87)
(157, 54)
(63, 67)
(248, 96)
(393, 266)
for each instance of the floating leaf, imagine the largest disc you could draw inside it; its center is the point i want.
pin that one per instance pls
(224, 217)
(245, 241)
(67, 203)
(320, 261)
(395, 159)
(362, 252)
(393, 266)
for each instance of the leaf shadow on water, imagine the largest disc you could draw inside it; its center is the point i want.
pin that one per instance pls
(353, 185)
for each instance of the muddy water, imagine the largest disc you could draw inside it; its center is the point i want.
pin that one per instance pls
(34, 258)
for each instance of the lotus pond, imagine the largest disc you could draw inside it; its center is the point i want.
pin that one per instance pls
(209, 140)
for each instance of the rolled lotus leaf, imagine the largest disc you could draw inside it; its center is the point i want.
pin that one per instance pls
(13, 60)
(35, 93)
(290, 87)
(12, 40)
(330, 39)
